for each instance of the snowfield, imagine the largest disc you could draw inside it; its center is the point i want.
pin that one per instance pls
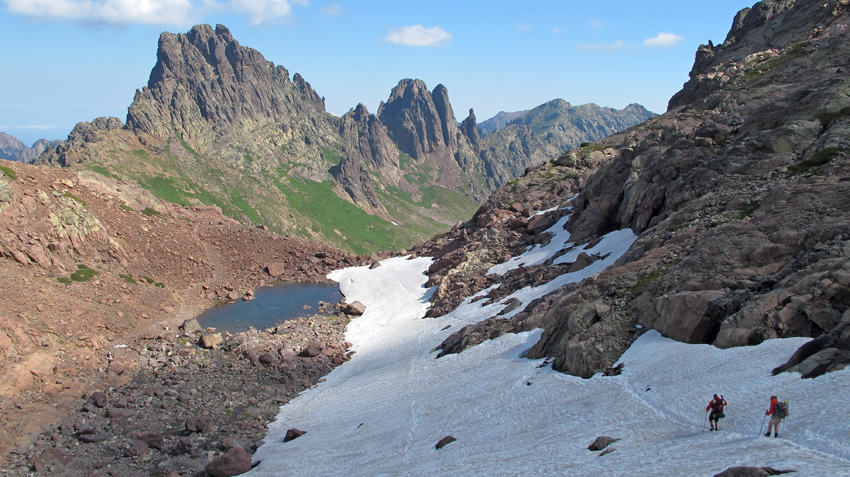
(382, 413)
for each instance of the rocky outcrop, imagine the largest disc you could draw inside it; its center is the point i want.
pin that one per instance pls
(418, 120)
(738, 195)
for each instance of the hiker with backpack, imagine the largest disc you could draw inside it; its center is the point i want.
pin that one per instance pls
(716, 406)
(777, 412)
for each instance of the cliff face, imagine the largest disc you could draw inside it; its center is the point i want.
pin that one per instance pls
(738, 194)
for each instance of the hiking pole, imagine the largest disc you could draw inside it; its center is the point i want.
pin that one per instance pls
(762, 425)
(706, 421)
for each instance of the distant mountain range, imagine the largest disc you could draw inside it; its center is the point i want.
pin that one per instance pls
(218, 124)
(12, 149)
(499, 121)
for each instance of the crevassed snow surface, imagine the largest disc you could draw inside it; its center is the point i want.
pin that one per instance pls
(383, 412)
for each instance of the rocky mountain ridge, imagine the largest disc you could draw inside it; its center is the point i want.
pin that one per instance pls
(213, 107)
(739, 195)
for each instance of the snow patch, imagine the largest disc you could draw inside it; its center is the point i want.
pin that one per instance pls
(383, 412)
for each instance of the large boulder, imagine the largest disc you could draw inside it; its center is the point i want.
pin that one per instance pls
(211, 341)
(276, 269)
(314, 348)
(689, 316)
(355, 308)
(234, 462)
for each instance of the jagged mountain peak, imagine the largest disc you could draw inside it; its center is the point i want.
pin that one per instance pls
(206, 84)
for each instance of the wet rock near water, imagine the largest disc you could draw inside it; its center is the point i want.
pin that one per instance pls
(192, 410)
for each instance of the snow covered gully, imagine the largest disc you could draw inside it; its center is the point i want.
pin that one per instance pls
(383, 412)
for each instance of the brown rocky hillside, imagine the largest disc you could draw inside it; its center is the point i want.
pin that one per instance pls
(740, 195)
(88, 263)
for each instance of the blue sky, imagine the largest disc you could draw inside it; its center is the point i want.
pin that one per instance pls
(66, 61)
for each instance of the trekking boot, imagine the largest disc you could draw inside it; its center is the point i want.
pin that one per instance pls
(775, 435)
(767, 435)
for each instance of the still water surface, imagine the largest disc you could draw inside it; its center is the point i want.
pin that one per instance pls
(272, 305)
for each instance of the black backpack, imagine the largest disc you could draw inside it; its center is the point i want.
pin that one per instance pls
(780, 410)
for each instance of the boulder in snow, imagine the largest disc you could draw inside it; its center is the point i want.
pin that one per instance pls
(602, 442)
(445, 441)
(744, 471)
(293, 434)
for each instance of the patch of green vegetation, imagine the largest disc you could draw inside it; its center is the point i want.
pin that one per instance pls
(128, 278)
(125, 208)
(569, 175)
(682, 226)
(593, 148)
(148, 279)
(248, 158)
(65, 280)
(83, 273)
(747, 210)
(9, 172)
(103, 171)
(164, 188)
(243, 206)
(829, 118)
(151, 212)
(403, 160)
(797, 50)
(584, 144)
(330, 155)
(185, 144)
(513, 181)
(816, 162)
(644, 283)
(75, 198)
(326, 211)
(159, 285)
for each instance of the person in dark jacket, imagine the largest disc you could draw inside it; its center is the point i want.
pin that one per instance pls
(716, 407)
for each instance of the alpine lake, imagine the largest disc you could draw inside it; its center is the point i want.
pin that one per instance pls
(271, 305)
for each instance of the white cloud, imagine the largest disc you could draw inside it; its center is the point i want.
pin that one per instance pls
(612, 47)
(522, 27)
(595, 24)
(663, 40)
(417, 35)
(332, 9)
(163, 12)
(32, 126)
(266, 11)
(155, 12)
(557, 30)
